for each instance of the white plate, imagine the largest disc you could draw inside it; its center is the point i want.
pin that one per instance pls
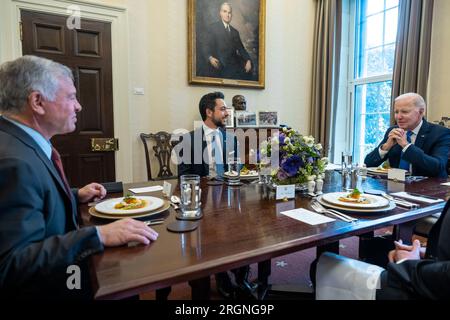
(97, 214)
(250, 176)
(389, 207)
(377, 170)
(375, 201)
(107, 206)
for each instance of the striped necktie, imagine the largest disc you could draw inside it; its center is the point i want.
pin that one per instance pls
(404, 164)
(56, 159)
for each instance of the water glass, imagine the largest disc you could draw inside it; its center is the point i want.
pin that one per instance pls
(264, 172)
(233, 174)
(346, 163)
(190, 195)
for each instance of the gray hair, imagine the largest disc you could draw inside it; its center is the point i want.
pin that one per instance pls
(20, 77)
(226, 4)
(416, 99)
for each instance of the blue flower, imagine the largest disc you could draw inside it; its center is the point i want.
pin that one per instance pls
(291, 165)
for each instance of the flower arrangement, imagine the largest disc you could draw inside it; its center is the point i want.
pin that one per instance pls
(300, 158)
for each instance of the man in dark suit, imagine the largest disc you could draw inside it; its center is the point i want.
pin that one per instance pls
(41, 244)
(224, 51)
(413, 144)
(205, 151)
(412, 272)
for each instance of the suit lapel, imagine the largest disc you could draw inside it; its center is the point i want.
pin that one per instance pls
(26, 139)
(422, 135)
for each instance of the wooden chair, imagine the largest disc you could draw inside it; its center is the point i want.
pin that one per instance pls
(163, 150)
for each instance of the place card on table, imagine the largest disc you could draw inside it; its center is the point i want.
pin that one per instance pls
(397, 174)
(418, 198)
(307, 216)
(146, 189)
(167, 189)
(285, 192)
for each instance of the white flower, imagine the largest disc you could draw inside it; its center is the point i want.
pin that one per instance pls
(309, 140)
(319, 146)
(287, 140)
(325, 160)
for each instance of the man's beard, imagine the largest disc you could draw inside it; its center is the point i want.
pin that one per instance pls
(218, 123)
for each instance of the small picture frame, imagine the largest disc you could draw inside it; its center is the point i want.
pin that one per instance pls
(268, 118)
(230, 119)
(245, 119)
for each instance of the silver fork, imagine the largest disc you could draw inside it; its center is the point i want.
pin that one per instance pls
(320, 209)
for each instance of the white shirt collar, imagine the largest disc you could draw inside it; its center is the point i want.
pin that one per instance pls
(209, 131)
(417, 129)
(226, 25)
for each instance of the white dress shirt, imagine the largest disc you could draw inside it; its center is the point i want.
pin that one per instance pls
(209, 133)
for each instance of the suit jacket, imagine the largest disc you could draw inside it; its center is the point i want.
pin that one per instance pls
(228, 48)
(427, 278)
(39, 237)
(194, 163)
(428, 155)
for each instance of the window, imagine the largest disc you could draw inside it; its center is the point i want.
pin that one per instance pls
(375, 33)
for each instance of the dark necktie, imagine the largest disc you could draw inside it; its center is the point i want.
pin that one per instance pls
(56, 159)
(404, 164)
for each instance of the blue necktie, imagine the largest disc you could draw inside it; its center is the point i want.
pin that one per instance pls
(404, 164)
(216, 154)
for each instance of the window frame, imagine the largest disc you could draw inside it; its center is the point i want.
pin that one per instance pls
(353, 81)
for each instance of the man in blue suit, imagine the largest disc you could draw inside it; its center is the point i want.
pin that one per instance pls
(413, 144)
(205, 151)
(40, 240)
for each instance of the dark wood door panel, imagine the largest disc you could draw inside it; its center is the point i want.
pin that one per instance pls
(87, 52)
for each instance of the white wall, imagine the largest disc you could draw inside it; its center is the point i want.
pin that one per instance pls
(439, 81)
(155, 42)
(158, 63)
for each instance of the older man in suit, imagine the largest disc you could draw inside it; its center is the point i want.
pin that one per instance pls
(413, 144)
(224, 51)
(39, 234)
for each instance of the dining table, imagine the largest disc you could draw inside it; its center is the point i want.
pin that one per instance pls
(240, 225)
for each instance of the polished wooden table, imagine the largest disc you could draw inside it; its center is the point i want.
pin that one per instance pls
(241, 226)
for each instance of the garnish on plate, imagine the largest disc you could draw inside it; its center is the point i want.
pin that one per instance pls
(355, 197)
(129, 203)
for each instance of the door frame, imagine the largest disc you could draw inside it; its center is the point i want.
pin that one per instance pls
(11, 48)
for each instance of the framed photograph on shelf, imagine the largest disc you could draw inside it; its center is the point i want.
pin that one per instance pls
(230, 118)
(245, 119)
(226, 43)
(268, 118)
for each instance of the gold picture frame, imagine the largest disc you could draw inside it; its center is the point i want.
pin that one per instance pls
(225, 54)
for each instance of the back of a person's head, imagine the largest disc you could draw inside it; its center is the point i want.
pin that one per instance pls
(20, 77)
(208, 101)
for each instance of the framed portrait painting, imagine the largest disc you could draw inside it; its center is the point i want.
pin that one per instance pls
(226, 42)
(268, 118)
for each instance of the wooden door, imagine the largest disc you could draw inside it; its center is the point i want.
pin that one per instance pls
(87, 51)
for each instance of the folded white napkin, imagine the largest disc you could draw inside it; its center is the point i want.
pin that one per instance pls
(146, 189)
(307, 216)
(416, 198)
(332, 166)
(342, 278)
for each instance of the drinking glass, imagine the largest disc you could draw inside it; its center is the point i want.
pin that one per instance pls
(346, 163)
(233, 174)
(190, 195)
